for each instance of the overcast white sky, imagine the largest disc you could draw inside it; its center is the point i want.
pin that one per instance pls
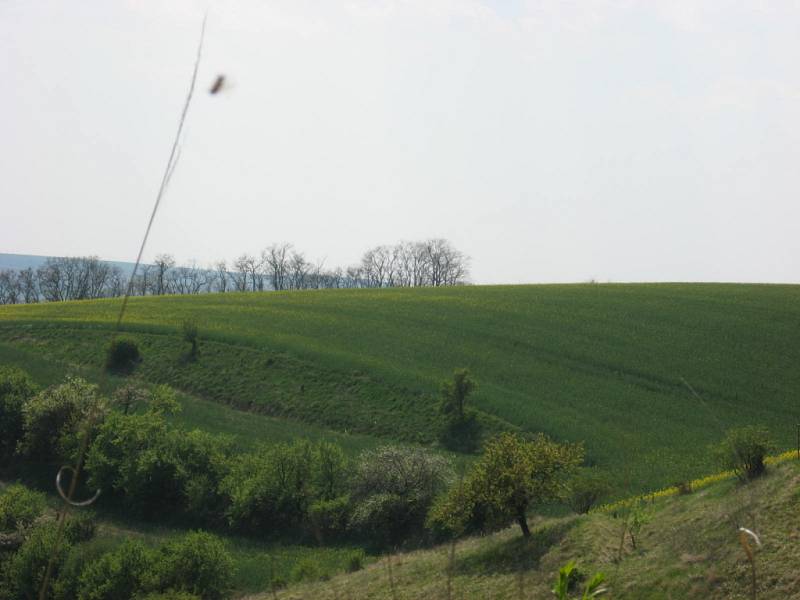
(550, 141)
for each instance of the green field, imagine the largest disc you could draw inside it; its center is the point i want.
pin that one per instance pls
(603, 364)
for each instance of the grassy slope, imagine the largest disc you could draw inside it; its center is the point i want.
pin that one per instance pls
(688, 550)
(599, 363)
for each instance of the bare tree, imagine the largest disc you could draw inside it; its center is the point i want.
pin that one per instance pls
(298, 271)
(241, 271)
(10, 292)
(222, 279)
(446, 265)
(116, 282)
(276, 261)
(162, 264)
(26, 279)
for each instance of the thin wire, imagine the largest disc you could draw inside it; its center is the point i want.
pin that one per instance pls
(168, 171)
(171, 163)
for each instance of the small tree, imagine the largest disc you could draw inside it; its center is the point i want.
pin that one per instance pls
(16, 388)
(454, 393)
(460, 429)
(190, 336)
(128, 396)
(511, 475)
(744, 449)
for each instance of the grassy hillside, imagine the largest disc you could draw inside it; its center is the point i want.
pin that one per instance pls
(598, 363)
(688, 549)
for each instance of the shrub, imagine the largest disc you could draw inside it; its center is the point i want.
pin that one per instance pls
(80, 527)
(129, 458)
(122, 354)
(307, 569)
(163, 401)
(198, 563)
(393, 488)
(329, 518)
(152, 466)
(586, 489)
(744, 449)
(54, 419)
(77, 561)
(275, 485)
(24, 570)
(20, 507)
(355, 561)
(119, 574)
(16, 388)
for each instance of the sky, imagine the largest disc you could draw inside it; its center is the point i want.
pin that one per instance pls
(549, 141)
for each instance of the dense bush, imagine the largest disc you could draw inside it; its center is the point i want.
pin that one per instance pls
(119, 574)
(197, 563)
(23, 572)
(129, 459)
(77, 560)
(54, 419)
(80, 527)
(586, 488)
(19, 507)
(151, 466)
(329, 518)
(275, 486)
(744, 449)
(393, 488)
(16, 388)
(122, 354)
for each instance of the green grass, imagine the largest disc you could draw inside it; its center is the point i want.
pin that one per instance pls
(597, 363)
(247, 429)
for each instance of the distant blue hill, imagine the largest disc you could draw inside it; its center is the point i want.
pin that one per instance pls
(19, 262)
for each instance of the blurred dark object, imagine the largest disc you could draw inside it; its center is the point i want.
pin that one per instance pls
(218, 83)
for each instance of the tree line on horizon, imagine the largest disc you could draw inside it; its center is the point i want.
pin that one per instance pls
(430, 263)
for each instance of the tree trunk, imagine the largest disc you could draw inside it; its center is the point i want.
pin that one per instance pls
(523, 524)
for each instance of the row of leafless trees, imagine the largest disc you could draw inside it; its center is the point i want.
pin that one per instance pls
(61, 279)
(433, 262)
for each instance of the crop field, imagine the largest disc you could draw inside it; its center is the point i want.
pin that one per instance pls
(603, 364)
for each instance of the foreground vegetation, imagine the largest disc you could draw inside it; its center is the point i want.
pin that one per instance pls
(602, 364)
(688, 547)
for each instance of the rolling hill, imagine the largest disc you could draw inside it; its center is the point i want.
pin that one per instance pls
(604, 364)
